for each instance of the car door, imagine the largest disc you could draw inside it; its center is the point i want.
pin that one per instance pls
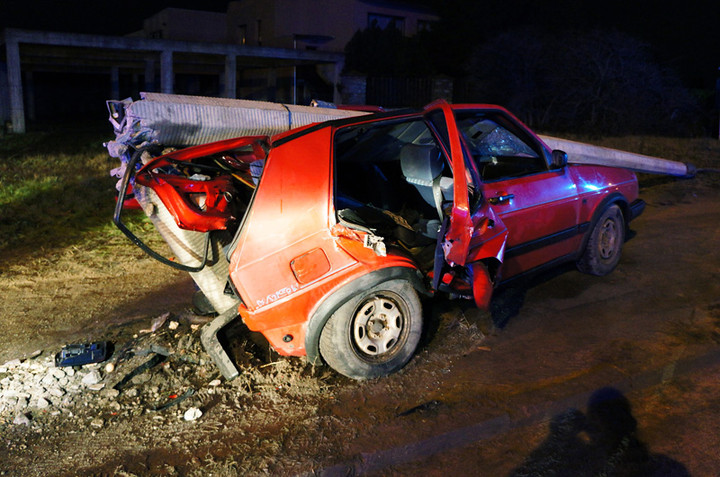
(471, 231)
(538, 204)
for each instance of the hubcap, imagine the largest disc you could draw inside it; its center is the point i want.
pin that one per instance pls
(377, 326)
(608, 239)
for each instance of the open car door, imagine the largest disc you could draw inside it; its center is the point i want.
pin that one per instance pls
(471, 244)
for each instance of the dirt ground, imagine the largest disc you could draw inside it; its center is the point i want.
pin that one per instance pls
(568, 375)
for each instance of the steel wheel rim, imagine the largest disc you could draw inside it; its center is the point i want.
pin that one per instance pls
(378, 327)
(608, 240)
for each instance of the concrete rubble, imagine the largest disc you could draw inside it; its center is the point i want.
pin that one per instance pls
(34, 387)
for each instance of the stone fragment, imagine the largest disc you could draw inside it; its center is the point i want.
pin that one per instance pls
(21, 420)
(192, 414)
(110, 393)
(57, 373)
(48, 380)
(96, 386)
(13, 363)
(43, 403)
(97, 423)
(93, 377)
(57, 392)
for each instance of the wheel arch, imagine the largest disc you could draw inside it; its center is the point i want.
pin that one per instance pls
(616, 198)
(338, 297)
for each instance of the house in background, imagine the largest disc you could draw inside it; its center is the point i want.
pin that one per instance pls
(275, 50)
(319, 24)
(315, 25)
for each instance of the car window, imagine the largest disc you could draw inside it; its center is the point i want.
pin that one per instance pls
(497, 148)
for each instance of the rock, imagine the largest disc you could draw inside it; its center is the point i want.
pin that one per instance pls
(214, 382)
(110, 393)
(69, 372)
(131, 393)
(35, 354)
(97, 423)
(13, 363)
(21, 420)
(96, 386)
(109, 368)
(141, 379)
(57, 392)
(49, 380)
(192, 414)
(173, 325)
(93, 377)
(21, 403)
(57, 373)
(43, 403)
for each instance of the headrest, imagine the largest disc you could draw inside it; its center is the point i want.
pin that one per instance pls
(421, 164)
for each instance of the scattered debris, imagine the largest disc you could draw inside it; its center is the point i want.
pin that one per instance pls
(152, 362)
(175, 399)
(80, 354)
(91, 378)
(192, 414)
(21, 420)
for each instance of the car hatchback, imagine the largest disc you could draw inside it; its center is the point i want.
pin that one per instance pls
(332, 231)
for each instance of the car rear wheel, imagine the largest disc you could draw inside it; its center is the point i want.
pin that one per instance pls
(375, 333)
(604, 245)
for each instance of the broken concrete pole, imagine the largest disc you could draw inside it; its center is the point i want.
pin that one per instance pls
(582, 153)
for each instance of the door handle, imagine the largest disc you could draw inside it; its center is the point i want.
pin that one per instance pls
(501, 198)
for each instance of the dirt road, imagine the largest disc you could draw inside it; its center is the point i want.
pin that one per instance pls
(593, 376)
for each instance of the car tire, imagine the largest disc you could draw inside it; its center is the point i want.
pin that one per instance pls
(375, 333)
(602, 252)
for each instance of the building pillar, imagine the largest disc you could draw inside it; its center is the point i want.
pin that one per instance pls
(17, 110)
(230, 87)
(150, 75)
(4, 96)
(167, 75)
(114, 82)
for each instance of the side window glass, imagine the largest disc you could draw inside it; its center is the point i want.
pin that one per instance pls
(498, 152)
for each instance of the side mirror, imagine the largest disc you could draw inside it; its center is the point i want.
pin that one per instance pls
(559, 159)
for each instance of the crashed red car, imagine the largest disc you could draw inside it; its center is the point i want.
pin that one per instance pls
(335, 229)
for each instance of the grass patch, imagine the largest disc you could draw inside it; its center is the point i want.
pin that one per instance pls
(56, 192)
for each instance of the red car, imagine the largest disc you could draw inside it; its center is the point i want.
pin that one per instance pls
(335, 229)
